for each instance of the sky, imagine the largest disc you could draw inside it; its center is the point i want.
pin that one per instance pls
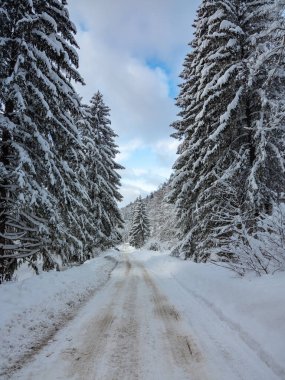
(133, 51)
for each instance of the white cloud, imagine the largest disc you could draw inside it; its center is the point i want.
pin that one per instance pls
(132, 188)
(141, 184)
(132, 52)
(166, 150)
(126, 150)
(137, 181)
(138, 172)
(159, 28)
(137, 94)
(167, 145)
(130, 193)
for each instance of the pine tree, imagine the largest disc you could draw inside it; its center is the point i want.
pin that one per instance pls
(265, 89)
(103, 175)
(224, 167)
(40, 144)
(210, 99)
(140, 229)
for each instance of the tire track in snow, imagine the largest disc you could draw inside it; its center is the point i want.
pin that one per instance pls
(184, 351)
(248, 340)
(108, 336)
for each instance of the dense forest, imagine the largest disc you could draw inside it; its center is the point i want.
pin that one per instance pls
(59, 181)
(59, 184)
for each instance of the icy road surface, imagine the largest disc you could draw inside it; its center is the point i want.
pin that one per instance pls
(141, 325)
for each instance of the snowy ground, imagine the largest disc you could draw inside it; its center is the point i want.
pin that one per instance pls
(33, 309)
(157, 318)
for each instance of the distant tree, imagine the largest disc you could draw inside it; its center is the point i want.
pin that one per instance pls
(127, 213)
(161, 215)
(40, 147)
(140, 229)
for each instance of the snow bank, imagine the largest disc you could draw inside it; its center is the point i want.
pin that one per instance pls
(254, 307)
(34, 308)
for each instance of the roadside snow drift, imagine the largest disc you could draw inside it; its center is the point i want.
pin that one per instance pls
(253, 307)
(33, 309)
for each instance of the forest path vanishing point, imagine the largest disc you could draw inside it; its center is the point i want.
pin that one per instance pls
(131, 330)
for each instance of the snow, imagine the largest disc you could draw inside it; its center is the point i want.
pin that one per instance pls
(136, 326)
(228, 25)
(32, 308)
(255, 307)
(224, 118)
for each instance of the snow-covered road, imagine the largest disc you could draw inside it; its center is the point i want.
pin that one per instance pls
(129, 330)
(145, 325)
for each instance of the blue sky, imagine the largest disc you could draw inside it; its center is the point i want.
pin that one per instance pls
(132, 51)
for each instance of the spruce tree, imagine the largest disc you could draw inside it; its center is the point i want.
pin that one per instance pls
(104, 179)
(140, 229)
(209, 99)
(40, 144)
(225, 166)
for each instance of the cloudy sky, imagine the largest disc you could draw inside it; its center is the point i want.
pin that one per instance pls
(132, 51)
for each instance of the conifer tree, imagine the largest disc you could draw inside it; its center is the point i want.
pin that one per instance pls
(224, 167)
(103, 174)
(210, 99)
(40, 147)
(140, 229)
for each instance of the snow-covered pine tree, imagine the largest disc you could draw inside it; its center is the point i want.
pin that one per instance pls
(140, 229)
(104, 180)
(40, 144)
(257, 188)
(161, 216)
(127, 213)
(224, 120)
(209, 99)
(265, 105)
(88, 175)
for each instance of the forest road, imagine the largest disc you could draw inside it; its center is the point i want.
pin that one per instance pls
(129, 330)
